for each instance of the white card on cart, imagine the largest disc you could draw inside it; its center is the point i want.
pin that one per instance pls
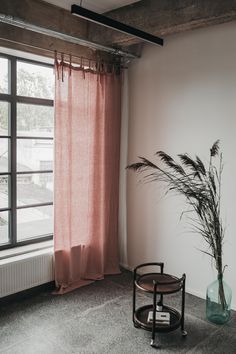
(161, 317)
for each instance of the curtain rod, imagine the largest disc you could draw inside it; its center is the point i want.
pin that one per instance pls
(80, 57)
(10, 20)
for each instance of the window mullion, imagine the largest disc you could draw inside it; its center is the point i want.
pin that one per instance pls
(13, 153)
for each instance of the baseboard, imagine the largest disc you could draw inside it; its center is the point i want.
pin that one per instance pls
(126, 267)
(196, 293)
(202, 295)
(27, 293)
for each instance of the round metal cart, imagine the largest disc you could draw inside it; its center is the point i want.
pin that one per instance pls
(158, 284)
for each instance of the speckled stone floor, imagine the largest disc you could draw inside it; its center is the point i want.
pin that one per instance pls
(97, 319)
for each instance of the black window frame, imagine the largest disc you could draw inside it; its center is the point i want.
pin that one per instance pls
(13, 99)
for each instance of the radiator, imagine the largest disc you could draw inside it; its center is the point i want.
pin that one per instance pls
(26, 271)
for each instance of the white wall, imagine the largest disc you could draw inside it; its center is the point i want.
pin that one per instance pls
(123, 176)
(182, 98)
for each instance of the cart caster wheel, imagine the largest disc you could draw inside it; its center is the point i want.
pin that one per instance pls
(153, 344)
(184, 333)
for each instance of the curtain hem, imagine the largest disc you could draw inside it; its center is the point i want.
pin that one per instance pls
(64, 288)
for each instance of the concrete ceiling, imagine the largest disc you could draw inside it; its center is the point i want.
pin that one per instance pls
(94, 5)
(158, 17)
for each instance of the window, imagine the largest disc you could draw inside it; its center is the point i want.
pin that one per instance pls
(26, 151)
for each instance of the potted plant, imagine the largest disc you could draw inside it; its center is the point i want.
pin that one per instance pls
(201, 187)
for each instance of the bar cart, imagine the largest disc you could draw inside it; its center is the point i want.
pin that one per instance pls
(158, 284)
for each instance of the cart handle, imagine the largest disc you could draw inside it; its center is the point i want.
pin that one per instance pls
(160, 264)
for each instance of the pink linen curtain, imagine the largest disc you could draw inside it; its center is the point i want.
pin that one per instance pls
(87, 145)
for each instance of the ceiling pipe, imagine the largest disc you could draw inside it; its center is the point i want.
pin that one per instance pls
(10, 20)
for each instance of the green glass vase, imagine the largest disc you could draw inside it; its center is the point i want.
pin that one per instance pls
(218, 301)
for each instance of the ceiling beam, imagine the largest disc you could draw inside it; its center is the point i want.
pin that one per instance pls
(164, 17)
(41, 13)
(36, 43)
(46, 15)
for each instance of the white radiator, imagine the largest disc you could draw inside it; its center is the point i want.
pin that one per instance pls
(26, 271)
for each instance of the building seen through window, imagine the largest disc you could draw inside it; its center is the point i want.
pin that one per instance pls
(26, 151)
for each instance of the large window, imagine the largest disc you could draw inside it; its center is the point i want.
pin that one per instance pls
(26, 151)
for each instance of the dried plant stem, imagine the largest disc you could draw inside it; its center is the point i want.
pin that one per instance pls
(201, 188)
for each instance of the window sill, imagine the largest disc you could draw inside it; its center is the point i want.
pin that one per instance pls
(24, 251)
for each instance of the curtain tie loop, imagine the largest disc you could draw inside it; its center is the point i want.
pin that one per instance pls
(62, 66)
(70, 64)
(56, 64)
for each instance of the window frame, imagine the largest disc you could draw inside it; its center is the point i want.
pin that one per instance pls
(13, 99)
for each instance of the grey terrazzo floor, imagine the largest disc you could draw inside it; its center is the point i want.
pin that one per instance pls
(97, 319)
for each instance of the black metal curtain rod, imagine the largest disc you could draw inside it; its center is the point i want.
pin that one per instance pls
(109, 22)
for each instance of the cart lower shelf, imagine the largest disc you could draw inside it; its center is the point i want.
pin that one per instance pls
(141, 316)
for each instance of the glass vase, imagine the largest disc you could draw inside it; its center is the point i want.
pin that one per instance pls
(218, 301)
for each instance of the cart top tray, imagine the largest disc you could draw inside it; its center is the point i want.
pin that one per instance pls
(146, 282)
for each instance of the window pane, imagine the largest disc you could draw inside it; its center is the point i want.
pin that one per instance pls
(4, 155)
(4, 85)
(34, 222)
(33, 153)
(34, 188)
(4, 227)
(35, 80)
(4, 203)
(34, 120)
(4, 118)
